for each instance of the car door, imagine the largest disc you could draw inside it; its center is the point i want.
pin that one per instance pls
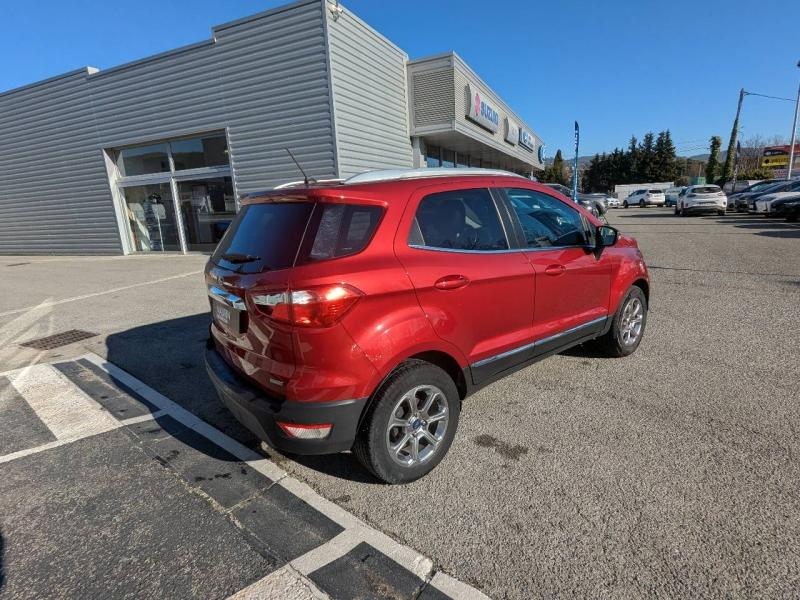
(573, 281)
(475, 289)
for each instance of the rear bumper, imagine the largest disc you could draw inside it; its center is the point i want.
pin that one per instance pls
(705, 208)
(259, 412)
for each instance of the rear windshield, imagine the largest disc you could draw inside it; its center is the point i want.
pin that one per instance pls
(268, 237)
(656, 191)
(263, 237)
(709, 189)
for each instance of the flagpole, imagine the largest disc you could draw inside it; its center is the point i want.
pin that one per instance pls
(575, 165)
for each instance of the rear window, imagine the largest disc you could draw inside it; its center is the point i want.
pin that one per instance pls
(267, 237)
(343, 229)
(708, 189)
(263, 237)
(656, 191)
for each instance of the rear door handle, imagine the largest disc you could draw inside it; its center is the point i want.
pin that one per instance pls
(554, 270)
(451, 282)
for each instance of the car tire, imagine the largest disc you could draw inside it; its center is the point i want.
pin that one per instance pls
(401, 399)
(625, 204)
(684, 213)
(615, 342)
(676, 210)
(642, 204)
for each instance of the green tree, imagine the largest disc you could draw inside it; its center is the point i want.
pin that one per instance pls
(632, 162)
(712, 167)
(665, 159)
(557, 174)
(646, 166)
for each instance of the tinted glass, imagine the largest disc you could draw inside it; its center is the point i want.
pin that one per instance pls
(706, 189)
(546, 221)
(270, 234)
(195, 153)
(656, 191)
(432, 156)
(344, 229)
(460, 220)
(143, 160)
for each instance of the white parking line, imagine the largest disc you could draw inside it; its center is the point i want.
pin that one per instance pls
(64, 409)
(48, 303)
(285, 583)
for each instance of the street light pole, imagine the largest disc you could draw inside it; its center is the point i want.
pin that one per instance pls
(794, 131)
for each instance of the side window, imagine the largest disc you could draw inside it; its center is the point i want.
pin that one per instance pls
(344, 229)
(546, 221)
(458, 220)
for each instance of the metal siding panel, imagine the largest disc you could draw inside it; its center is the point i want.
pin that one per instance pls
(368, 79)
(265, 79)
(54, 195)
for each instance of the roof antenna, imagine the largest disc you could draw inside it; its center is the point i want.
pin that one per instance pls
(305, 177)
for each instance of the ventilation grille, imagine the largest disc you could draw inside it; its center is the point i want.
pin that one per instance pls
(58, 339)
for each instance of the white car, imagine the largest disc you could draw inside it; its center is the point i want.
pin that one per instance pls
(763, 204)
(612, 202)
(701, 199)
(645, 197)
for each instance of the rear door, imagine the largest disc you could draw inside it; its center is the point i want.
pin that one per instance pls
(474, 288)
(573, 282)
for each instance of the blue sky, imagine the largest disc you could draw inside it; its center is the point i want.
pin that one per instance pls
(617, 67)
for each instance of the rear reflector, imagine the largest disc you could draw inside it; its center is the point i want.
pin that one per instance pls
(306, 432)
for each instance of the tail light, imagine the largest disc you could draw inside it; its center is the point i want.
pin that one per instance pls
(319, 306)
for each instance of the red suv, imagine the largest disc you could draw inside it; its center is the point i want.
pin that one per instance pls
(359, 315)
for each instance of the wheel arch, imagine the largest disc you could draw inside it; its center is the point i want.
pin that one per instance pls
(644, 285)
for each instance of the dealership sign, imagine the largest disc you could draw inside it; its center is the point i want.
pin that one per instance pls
(526, 139)
(481, 111)
(512, 132)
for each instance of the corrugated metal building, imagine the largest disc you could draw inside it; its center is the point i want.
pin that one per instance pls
(152, 155)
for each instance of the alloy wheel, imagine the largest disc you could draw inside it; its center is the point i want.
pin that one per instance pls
(631, 322)
(417, 425)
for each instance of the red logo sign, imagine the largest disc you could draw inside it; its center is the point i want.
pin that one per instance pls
(477, 103)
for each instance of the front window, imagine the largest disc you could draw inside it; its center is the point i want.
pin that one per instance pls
(546, 221)
(458, 220)
(143, 160)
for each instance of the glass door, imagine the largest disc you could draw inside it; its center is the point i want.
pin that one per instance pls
(151, 216)
(207, 207)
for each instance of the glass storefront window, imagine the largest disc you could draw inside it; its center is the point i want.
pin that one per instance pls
(474, 161)
(432, 154)
(207, 209)
(151, 216)
(143, 160)
(199, 152)
(448, 159)
(462, 161)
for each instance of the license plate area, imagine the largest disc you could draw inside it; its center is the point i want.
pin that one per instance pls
(228, 311)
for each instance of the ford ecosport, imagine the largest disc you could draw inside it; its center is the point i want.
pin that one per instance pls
(359, 314)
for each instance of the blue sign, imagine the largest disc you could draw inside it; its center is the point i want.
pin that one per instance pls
(526, 139)
(541, 154)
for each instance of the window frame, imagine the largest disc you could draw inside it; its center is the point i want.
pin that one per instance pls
(503, 218)
(521, 240)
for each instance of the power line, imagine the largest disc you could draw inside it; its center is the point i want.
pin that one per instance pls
(771, 97)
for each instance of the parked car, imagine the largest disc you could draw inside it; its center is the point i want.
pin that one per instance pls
(788, 207)
(645, 197)
(697, 199)
(360, 315)
(594, 203)
(762, 204)
(671, 195)
(741, 200)
(612, 202)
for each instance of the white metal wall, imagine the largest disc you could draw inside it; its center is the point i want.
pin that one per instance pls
(368, 77)
(263, 78)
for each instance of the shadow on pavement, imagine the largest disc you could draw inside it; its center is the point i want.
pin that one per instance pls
(168, 356)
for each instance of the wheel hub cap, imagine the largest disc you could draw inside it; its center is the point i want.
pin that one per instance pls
(417, 425)
(631, 322)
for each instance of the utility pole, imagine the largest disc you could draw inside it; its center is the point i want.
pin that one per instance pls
(794, 131)
(726, 170)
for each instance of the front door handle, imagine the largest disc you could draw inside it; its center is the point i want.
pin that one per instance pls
(451, 282)
(554, 270)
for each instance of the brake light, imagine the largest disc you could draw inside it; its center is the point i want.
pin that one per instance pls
(319, 306)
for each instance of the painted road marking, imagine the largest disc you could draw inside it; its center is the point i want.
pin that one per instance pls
(71, 414)
(62, 407)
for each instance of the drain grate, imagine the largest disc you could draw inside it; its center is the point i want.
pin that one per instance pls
(58, 339)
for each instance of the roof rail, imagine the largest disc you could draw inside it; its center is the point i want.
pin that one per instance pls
(393, 174)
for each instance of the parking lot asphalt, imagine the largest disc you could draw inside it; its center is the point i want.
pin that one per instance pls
(672, 472)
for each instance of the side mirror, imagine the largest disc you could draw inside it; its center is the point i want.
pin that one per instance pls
(606, 236)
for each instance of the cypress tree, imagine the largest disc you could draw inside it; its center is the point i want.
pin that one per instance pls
(712, 168)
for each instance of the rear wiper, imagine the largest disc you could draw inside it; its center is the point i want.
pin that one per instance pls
(236, 258)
